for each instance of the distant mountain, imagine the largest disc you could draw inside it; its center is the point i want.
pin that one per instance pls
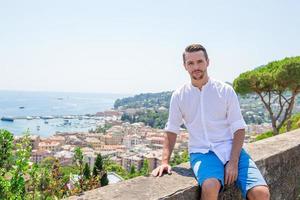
(146, 100)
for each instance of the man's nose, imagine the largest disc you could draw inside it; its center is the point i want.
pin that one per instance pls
(197, 66)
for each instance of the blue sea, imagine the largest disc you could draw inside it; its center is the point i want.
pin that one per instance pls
(18, 104)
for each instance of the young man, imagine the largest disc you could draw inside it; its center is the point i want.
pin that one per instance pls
(210, 110)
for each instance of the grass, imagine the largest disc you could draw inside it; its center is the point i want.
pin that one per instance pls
(295, 125)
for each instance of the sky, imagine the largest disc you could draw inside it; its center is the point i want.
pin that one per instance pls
(136, 46)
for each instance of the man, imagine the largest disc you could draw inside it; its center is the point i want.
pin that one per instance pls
(210, 110)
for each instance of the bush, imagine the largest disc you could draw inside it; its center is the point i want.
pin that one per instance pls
(264, 135)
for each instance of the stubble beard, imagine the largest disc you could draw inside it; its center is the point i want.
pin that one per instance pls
(197, 78)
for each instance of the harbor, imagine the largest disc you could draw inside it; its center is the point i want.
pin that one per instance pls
(49, 125)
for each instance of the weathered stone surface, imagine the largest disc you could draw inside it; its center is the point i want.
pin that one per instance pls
(278, 158)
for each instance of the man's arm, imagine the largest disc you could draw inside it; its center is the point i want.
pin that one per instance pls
(169, 142)
(231, 170)
(237, 129)
(238, 141)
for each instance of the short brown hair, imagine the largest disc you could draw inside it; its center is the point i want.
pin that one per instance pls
(194, 48)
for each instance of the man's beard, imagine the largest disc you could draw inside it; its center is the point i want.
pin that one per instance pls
(198, 77)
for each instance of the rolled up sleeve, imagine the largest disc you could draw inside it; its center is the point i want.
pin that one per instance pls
(234, 115)
(175, 116)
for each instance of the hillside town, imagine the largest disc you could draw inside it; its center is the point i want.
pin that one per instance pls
(123, 143)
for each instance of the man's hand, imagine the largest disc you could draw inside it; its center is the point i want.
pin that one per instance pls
(160, 169)
(231, 172)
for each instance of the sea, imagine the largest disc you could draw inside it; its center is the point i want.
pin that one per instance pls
(69, 110)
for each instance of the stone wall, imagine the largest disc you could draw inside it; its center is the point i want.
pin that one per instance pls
(278, 158)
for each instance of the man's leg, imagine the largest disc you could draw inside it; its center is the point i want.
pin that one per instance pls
(250, 181)
(258, 193)
(210, 189)
(209, 172)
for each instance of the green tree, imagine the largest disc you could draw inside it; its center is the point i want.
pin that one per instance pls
(78, 160)
(48, 162)
(104, 180)
(176, 160)
(185, 156)
(132, 172)
(6, 147)
(145, 168)
(99, 171)
(102, 129)
(20, 168)
(86, 172)
(277, 84)
(56, 180)
(33, 181)
(44, 183)
(118, 169)
(98, 167)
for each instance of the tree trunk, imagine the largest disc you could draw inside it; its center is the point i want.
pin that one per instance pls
(288, 125)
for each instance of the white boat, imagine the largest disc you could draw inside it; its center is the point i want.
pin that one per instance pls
(47, 117)
(68, 117)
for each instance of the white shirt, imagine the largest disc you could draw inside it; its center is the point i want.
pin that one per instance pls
(211, 115)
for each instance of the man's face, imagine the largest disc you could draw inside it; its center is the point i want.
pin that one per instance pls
(196, 64)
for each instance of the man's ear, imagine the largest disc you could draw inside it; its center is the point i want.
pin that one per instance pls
(207, 62)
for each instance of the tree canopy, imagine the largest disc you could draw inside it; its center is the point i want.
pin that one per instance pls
(277, 84)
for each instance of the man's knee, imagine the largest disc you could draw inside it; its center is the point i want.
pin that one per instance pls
(259, 192)
(211, 185)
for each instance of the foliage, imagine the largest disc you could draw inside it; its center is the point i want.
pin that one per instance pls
(179, 158)
(14, 167)
(86, 171)
(47, 180)
(6, 147)
(151, 118)
(113, 167)
(98, 167)
(104, 180)
(133, 173)
(147, 100)
(277, 84)
(99, 171)
(264, 135)
(294, 125)
(78, 160)
(101, 129)
(145, 168)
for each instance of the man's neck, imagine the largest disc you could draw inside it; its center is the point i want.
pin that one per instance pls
(199, 83)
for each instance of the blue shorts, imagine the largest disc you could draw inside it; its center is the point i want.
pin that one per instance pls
(208, 165)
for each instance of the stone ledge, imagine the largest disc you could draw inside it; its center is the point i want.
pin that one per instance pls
(277, 157)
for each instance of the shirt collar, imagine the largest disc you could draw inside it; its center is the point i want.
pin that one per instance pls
(203, 87)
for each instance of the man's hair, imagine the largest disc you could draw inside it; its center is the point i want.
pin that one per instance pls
(194, 48)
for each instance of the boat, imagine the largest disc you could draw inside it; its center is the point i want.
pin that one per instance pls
(47, 117)
(21, 107)
(67, 122)
(68, 117)
(29, 118)
(8, 119)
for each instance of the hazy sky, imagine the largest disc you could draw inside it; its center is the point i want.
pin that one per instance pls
(136, 46)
